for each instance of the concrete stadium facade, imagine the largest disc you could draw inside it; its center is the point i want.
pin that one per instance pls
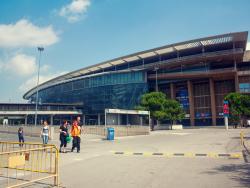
(198, 73)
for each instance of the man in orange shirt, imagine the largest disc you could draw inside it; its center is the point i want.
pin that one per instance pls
(75, 133)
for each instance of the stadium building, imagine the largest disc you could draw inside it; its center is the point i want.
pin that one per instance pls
(198, 73)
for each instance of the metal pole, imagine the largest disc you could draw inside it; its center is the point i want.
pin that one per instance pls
(105, 118)
(226, 122)
(149, 120)
(40, 49)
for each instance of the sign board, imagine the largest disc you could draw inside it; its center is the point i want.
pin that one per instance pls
(15, 161)
(143, 112)
(225, 108)
(122, 111)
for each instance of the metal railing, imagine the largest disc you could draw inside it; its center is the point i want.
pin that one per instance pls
(27, 163)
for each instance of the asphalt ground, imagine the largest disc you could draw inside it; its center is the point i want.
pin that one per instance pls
(103, 163)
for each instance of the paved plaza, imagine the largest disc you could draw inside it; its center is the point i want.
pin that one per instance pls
(161, 159)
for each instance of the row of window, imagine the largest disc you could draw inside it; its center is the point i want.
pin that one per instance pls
(32, 107)
(107, 79)
(96, 99)
(97, 81)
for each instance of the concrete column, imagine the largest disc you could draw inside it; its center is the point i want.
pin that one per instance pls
(141, 121)
(118, 119)
(172, 90)
(71, 119)
(236, 83)
(26, 120)
(51, 119)
(83, 119)
(191, 101)
(99, 119)
(213, 105)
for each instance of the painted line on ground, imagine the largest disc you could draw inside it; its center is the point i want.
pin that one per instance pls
(187, 154)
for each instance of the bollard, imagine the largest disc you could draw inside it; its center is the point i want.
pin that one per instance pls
(242, 138)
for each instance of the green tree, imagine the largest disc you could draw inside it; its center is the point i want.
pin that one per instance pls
(153, 102)
(160, 107)
(239, 106)
(173, 111)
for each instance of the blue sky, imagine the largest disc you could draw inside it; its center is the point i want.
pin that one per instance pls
(78, 33)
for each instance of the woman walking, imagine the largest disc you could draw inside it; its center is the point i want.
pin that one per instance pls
(45, 132)
(76, 133)
(63, 136)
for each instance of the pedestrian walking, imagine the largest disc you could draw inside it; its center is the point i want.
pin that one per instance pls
(20, 136)
(75, 133)
(63, 136)
(45, 132)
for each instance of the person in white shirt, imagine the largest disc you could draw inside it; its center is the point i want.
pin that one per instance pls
(45, 132)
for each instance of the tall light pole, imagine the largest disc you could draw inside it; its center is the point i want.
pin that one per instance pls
(156, 78)
(40, 49)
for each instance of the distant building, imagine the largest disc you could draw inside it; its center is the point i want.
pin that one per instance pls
(197, 73)
(24, 113)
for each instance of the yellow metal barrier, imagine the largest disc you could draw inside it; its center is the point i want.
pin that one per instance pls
(22, 164)
(242, 138)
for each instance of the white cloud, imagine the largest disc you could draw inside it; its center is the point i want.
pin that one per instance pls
(248, 46)
(20, 65)
(74, 11)
(45, 68)
(31, 82)
(24, 34)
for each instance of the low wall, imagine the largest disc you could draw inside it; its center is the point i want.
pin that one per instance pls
(162, 127)
(96, 130)
(119, 130)
(28, 130)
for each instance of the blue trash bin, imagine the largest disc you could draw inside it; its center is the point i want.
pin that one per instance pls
(111, 133)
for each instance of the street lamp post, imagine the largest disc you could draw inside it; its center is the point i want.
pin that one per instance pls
(156, 78)
(40, 49)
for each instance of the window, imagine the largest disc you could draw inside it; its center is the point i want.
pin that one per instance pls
(202, 100)
(244, 87)
(78, 84)
(66, 87)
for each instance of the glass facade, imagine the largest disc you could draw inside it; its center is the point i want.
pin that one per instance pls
(117, 90)
(182, 96)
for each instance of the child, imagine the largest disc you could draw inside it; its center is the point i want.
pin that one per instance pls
(20, 136)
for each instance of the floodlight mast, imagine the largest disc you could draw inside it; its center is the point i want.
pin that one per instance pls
(40, 49)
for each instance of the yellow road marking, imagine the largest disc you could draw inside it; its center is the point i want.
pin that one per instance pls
(187, 155)
(236, 155)
(190, 155)
(128, 153)
(147, 154)
(212, 155)
(168, 155)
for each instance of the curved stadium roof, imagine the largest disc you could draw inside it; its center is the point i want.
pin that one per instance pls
(177, 47)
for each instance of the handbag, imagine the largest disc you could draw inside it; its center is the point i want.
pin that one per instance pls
(68, 138)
